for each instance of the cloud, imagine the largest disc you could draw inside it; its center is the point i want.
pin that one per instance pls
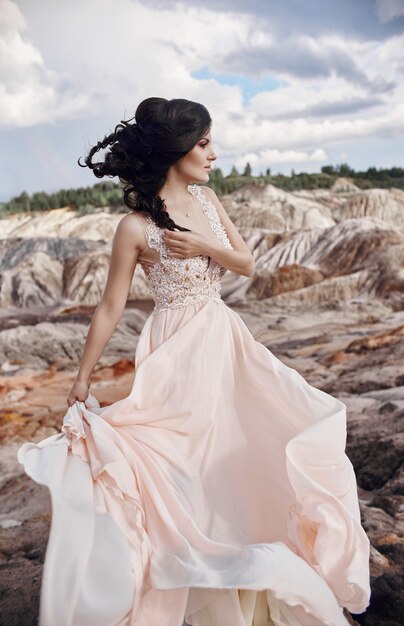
(278, 157)
(299, 57)
(332, 108)
(388, 10)
(354, 19)
(300, 133)
(30, 93)
(329, 74)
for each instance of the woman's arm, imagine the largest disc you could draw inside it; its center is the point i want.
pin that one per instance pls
(239, 260)
(128, 242)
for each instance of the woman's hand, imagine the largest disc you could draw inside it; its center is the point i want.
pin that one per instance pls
(79, 391)
(184, 244)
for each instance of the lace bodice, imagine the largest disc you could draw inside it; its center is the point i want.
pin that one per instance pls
(179, 282)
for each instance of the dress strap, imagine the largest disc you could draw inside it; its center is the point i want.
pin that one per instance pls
(212, 215)
(153, 236)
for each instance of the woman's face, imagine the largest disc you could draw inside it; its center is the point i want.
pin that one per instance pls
(194, 166)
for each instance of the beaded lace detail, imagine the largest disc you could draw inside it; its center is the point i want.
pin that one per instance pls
(179, 282)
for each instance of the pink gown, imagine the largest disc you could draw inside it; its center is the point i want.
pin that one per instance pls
(217, 493)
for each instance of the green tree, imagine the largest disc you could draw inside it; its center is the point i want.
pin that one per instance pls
(371, 172)
(247, 170)
(396, 172)
(343, 169)
(217, 181)
(24, 202)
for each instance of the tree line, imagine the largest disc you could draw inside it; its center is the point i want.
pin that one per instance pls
(109, 194)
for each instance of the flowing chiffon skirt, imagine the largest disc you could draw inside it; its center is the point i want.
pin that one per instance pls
(217, 492)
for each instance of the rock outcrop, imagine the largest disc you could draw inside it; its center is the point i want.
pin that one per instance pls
(50, 270)
(327, 298)
(62, 223)
(385, 204)
(316, 236)
(344, 185)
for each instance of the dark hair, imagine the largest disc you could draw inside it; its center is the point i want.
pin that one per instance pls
(142, 152)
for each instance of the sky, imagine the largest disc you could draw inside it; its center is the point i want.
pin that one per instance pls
(289, 84)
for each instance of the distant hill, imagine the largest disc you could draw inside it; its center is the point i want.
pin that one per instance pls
(109, 194)
(310, 246)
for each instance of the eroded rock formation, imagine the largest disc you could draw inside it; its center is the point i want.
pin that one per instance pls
(327, 298)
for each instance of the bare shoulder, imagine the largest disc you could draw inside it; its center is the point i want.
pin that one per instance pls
(131, 230)
(213, 196)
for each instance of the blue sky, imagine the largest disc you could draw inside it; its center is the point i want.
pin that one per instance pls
(249, 86)
(293, 84)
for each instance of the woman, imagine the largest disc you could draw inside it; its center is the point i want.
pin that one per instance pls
(218, 491)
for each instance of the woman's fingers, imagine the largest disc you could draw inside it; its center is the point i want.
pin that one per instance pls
(175, 245)
(171, 240)
(183, 244)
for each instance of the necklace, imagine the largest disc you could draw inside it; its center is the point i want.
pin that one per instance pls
(192, 200)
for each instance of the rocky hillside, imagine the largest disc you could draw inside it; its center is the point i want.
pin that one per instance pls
(327, 298)
(317, 246)
(320, 246)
